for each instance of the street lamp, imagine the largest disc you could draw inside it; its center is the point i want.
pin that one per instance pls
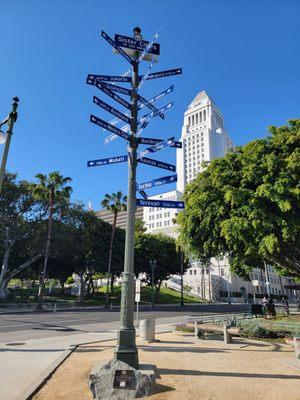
(5, 138)
(152, 267)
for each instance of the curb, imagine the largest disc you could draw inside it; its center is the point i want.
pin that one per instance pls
(44, 376)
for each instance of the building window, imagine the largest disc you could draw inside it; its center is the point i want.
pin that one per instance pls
(189, 121)
(201, 116)
(197, 118)
(195, 272)
(222, 271)
(204, 115)
(193, 120)
(191, 272)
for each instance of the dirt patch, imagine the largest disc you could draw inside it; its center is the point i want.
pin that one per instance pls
(190, 369)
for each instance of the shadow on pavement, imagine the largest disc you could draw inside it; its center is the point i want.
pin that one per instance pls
(166, 371)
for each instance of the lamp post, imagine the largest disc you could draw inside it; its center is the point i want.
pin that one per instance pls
(181, 277)
(152, 266)
(126, 349)
(6, 138)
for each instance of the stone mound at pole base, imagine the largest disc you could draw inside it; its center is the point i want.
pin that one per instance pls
(102, 378)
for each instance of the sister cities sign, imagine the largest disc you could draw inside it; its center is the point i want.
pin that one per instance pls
(138, 45)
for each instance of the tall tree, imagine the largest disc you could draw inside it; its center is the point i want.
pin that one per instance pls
(247, 205)
(54, 192)
(114, 203)
(163, 249)
(20, 229)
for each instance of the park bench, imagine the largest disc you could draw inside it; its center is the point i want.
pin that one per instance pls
(205, 328)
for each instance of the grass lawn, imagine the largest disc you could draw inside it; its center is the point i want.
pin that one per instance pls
(166, 296)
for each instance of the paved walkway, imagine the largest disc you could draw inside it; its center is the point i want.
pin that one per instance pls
(23, 365)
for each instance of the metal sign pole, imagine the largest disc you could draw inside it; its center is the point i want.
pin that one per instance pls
(126, 349)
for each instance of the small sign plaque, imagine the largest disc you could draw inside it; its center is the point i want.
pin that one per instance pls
(124, 379)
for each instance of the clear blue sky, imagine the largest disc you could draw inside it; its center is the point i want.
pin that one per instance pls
(245, 54)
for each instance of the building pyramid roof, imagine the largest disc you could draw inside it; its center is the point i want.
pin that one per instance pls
(201, 95)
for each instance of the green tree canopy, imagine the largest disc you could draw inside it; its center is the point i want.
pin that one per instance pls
(161, 248)
(246, 205)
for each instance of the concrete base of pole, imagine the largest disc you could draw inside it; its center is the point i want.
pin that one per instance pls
(116, 380)
(126, 351)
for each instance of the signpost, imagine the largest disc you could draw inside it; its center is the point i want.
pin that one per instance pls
(110, 109)
(105, 161)
(156, 182)
(159, 146)
(158, 164)
(154, 141)
(160, 203)
(134, 50)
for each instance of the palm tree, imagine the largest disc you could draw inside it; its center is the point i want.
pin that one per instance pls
(114, 203)
(52, 190)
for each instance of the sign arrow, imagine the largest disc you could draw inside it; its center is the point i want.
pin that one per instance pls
(110, 109)
(106, 125)
(109, 78)
(118, 48)
(157, 182)
(105, 161)
(163, 74)
(160, 203)
(119, 89)
(109, 93)
(150, 141)
(158, 164)
(156, 147)
(139, 45)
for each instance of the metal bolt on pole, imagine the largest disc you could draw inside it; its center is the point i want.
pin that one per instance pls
(126, 349)
(10, 121)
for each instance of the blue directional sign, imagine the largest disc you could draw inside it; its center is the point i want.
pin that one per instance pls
(158, 164)
(150, 141)
(139, 45)
(149, 105)
(158, 96)
(105, 161)
(156, 182)
(149, 45)
(163, 74)
(144, 194)
(119, 89)
(160, 203)
(159, 146)
(153, 114)
(109, 78)
(118, 48)
(109, 93)
(106, 125)
(110, 109)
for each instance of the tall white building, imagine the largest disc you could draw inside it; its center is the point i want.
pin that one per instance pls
(203, 137)
(160, 220)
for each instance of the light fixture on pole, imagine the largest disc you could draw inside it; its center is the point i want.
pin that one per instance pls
(5, 138)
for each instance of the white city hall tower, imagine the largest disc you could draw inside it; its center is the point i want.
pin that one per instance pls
(203, 137)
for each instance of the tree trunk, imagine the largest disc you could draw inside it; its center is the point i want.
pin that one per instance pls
(47, 252)
(112, 282)
(110, 257)
(157, 290)
(62, 285)
(3, 276)
(4, 292)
